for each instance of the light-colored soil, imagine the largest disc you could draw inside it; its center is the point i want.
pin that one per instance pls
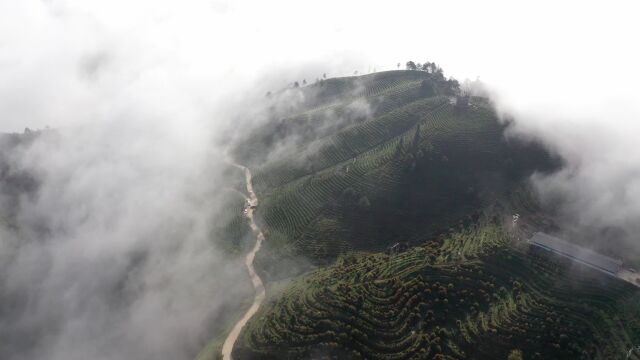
(252, 201)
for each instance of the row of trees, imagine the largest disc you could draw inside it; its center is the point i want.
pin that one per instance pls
(451, 86)
(428, 66)
(304, 81)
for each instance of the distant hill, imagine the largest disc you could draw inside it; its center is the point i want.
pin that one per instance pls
(364, 162)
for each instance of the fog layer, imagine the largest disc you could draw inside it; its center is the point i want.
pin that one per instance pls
(113, 258)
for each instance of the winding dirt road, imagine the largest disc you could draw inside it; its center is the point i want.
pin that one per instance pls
(227, 347)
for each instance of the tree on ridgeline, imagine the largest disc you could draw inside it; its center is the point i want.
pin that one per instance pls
(439, 84)
(453, 85)
(462, 101)
(296, 84)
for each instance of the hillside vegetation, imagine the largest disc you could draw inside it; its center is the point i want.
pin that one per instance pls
(393, 194)
(471, 294)
(361, 163)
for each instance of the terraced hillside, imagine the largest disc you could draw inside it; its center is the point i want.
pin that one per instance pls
(400, 193)
(390, 157)
(470, 294)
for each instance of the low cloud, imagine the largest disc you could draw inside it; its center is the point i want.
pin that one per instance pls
(597, 193)
(112, 256)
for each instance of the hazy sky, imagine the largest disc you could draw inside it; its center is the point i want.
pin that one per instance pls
(72, 61)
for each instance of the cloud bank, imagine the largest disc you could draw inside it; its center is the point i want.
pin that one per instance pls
(114, 257)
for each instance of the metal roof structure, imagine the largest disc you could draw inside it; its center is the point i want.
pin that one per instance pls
(577, 253)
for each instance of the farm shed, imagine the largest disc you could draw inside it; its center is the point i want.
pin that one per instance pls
(577, 253)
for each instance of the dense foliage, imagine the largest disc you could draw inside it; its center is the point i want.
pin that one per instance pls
(468, 295)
